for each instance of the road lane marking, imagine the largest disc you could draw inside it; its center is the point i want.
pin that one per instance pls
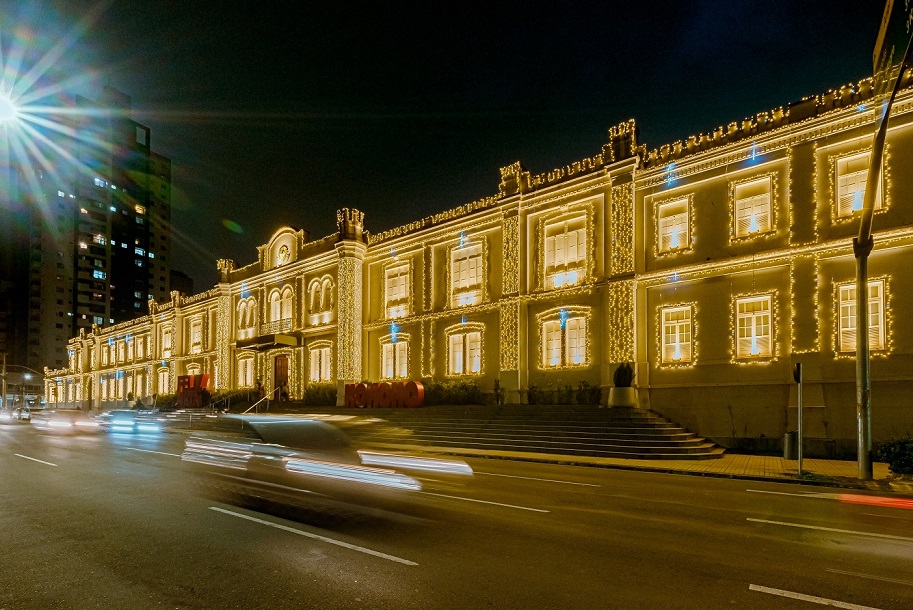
(151, 451)
(832, 529)
(33, 459)
(292, 530)
(884, 516)
(514, 476)
(810, 494)
(809, 598)
(537, 510)
(860, 575)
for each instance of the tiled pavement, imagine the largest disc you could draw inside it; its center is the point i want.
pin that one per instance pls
(835, 473)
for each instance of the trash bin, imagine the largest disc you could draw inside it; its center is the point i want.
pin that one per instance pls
(791, 445)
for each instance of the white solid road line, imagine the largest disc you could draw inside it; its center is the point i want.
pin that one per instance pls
(514, 476)
(832, 529)
(809, 598)
(33, 459)
(158, 452)
(292, 530)
(872, 577)
(536, 510)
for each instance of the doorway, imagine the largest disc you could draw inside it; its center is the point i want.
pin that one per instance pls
(280, 376)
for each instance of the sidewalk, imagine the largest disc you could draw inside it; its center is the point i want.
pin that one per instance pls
(831, 473)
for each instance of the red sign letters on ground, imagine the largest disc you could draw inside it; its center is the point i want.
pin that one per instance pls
(387, 394)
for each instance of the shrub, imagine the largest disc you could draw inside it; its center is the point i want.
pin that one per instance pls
(456, 392)
(898, 453)
(319, 395)
(588, 394)
(624, 375)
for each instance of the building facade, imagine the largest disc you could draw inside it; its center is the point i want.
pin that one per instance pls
(84, 226)
(714, 264)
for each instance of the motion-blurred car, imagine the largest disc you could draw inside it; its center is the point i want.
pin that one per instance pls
(129, 420)
(65, 421)
(311, 464)
(15, 415)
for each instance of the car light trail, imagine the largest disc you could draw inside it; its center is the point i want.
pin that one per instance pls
(25, 457)
(833, 529)
(809, 598)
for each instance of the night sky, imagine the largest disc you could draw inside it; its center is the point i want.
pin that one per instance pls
(280, 113)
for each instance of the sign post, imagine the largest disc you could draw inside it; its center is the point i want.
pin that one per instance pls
(797, 375)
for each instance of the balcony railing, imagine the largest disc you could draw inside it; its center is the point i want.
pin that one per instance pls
(276, 326)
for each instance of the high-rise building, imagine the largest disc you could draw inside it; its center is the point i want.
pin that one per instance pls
(84, 225)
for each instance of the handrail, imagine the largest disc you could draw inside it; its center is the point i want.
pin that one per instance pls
(266, 397)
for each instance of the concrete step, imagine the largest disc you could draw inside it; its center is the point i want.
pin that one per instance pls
(712, 452)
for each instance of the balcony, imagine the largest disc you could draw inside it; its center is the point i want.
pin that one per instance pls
(276, 326)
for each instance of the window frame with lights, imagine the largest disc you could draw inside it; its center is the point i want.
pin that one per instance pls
(846, 311)
(473, 293)
(465, 330)
(552, 324)
(399, 347)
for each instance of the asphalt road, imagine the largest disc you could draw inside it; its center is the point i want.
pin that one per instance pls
(114, 521)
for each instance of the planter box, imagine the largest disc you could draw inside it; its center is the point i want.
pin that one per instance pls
(622, 397)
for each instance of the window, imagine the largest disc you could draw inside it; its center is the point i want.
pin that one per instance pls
(397, 290)
(852, 173)
(164, 381)
(466, 275)
(465, 350)
(674, 226)
(139, 251)
(564, 341)
(752, 207)
(100, 239)
(565, 252)
(140, 209)
(140, 348)
(753, 328)
(847, 322)
(395, 357)
(247, 318)
(99, 275)
(320, 362)
(677, 335)
(245, 373)
(196, 336)
(166, 343)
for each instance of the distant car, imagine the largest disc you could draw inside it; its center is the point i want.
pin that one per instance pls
(311, 464)
(15, 415)
(65, 421)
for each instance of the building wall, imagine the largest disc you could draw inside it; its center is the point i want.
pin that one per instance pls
(714, 265)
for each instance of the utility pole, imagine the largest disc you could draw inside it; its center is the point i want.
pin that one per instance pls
(4, 381)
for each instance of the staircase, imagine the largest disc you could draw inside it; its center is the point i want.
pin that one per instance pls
(565, 430)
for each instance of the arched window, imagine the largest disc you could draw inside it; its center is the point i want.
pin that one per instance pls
(275, 306)
(326, 298)
(314, 296)
(285, 310)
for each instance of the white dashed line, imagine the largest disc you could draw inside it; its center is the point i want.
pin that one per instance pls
(514, 476)
(292, 530)
(536, 510)
(809, 598)
(832, 529)
(25, 457)
(157, 452)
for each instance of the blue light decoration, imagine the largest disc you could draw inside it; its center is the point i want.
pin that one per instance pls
(562, 316)
(754, 150)
(393, 330)
(128, 338)
(674, 277)
(670, 179)
(393, 252)
(245, 290)
(463, 320)
(120, 374)
(110, 341)
(862, 108)
(462, 238)
(164, 364)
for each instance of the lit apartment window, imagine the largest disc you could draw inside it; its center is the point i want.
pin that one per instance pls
(100, 182)
(196, 336)
(100, 240)
(674, 226)
(139, 251)
(466, 274)
(564, 342)
(395, 358)
(140, 209)
(752, 207)
(465, 353)
(753, 328)
(852, 173)
(677, 334)
(246, 373)
(848, 316)
(320, 363)
(565, 252)
(397, 290)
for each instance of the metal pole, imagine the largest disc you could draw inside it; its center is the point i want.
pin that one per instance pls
(800, 435)
(863, 371)
(4, 380)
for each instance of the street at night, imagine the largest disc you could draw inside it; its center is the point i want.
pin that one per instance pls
(115, 521)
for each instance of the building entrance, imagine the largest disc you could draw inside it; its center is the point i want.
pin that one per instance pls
(280, 376)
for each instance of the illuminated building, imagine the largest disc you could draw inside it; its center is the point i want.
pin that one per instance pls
(84, 225)
(714, 264)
